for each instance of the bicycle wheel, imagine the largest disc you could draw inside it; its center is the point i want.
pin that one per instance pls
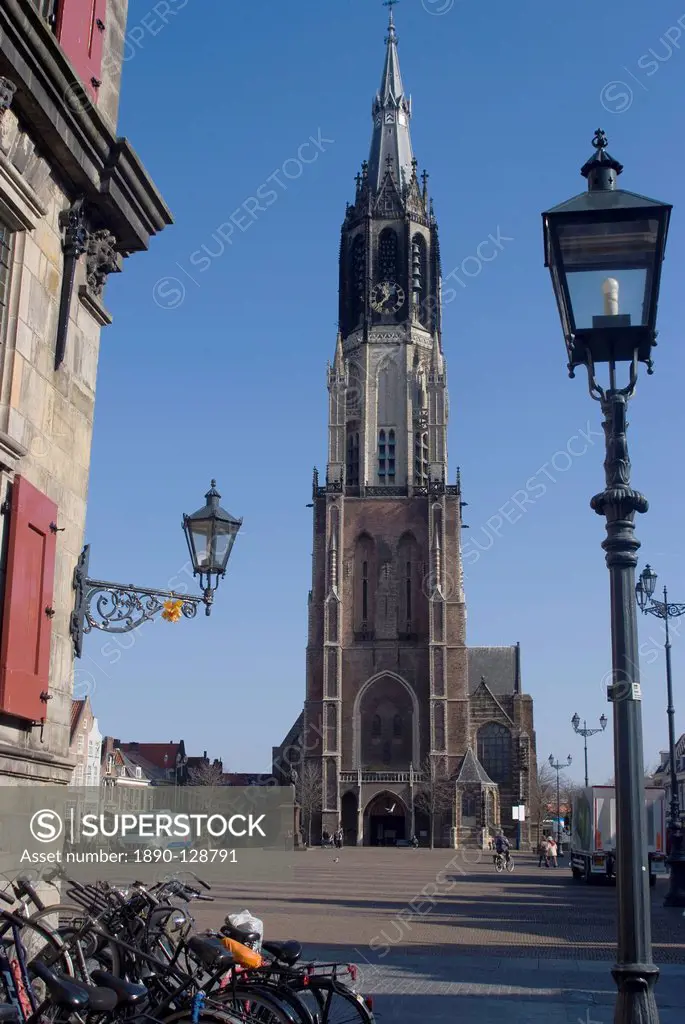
(499, 866)
(24, 944)
(256, 1004)
(289, 1001)
(336, 1003)
(206, 1017)
(89, 952)
(510, 865)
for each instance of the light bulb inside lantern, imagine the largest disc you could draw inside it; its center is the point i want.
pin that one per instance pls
(610, 293)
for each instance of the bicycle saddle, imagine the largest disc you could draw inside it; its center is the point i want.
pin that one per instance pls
(239, 934)
(69, 994)
(126, 992)
(289, 952)
(211, 953)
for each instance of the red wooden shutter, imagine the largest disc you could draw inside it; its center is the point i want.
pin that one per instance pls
(80, 30)
(29, 582)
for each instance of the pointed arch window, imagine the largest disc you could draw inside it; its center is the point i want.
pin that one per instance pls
(352, 476)
(494, 751)
(421, 458)
(386, 261)
(391, 456)
(382, 456)
(469, 806)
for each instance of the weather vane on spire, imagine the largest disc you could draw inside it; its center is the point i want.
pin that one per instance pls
(390, 4)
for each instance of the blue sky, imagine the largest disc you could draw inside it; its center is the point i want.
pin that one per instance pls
(224, 374)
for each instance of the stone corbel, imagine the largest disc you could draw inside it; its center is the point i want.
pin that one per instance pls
(102, 259)
(74, 244)
(7, 91)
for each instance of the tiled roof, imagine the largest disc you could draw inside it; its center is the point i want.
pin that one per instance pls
(77, 707)
(246, 779)
(154, 752)
(497, 664)
(472, 770)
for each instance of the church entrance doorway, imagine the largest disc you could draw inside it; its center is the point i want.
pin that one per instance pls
(348, 809)
(386, 820)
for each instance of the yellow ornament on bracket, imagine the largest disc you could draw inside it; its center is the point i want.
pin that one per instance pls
(172, 611)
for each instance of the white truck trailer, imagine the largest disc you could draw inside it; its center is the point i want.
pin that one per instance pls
(593, 835)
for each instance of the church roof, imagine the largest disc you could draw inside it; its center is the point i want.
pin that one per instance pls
(472, 770)
(391, 143)
(500, 667)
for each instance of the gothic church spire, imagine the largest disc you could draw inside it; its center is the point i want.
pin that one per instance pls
(391, 143)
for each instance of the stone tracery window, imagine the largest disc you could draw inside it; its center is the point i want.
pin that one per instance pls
(494, 751)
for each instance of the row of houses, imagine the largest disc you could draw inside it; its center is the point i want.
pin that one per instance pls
(106, 761)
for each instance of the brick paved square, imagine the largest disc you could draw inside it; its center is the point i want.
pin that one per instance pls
(439, 935)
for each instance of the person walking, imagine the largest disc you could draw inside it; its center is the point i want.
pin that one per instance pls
(543, 852)
(552, 848)
(339, 839)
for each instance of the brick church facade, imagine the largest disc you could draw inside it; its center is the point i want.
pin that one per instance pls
(405, 730)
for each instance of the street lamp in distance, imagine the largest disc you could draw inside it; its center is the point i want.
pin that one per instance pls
(585, 732)
(644, 592)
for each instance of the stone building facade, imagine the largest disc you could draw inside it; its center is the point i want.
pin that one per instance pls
(85, 747)
(75, 201)
(407, 729)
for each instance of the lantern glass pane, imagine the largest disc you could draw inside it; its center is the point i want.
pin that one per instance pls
(594, 253)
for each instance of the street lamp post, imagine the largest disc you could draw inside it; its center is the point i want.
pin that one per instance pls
(119, 608)
(585, 732)
(559, 767)
(675, 897)
(604, 249)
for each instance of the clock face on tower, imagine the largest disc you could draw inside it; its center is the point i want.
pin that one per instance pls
(387, 297)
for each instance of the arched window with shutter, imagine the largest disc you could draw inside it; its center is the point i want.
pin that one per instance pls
(386, 258)
(419, 271)
(357, 280)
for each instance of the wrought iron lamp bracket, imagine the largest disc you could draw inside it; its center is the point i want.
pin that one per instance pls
(120, 607)
(664, 611)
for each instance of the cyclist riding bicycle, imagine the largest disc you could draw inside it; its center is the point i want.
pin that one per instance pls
(502, 848)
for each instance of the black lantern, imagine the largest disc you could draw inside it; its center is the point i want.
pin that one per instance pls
(604, 249)
(648, 580)
(575, 721)
(210, 533)
(603, 721)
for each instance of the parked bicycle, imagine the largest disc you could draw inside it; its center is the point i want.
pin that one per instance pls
(131, 954)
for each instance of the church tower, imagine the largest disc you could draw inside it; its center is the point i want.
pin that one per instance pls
(388, 704)
(387, 666)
